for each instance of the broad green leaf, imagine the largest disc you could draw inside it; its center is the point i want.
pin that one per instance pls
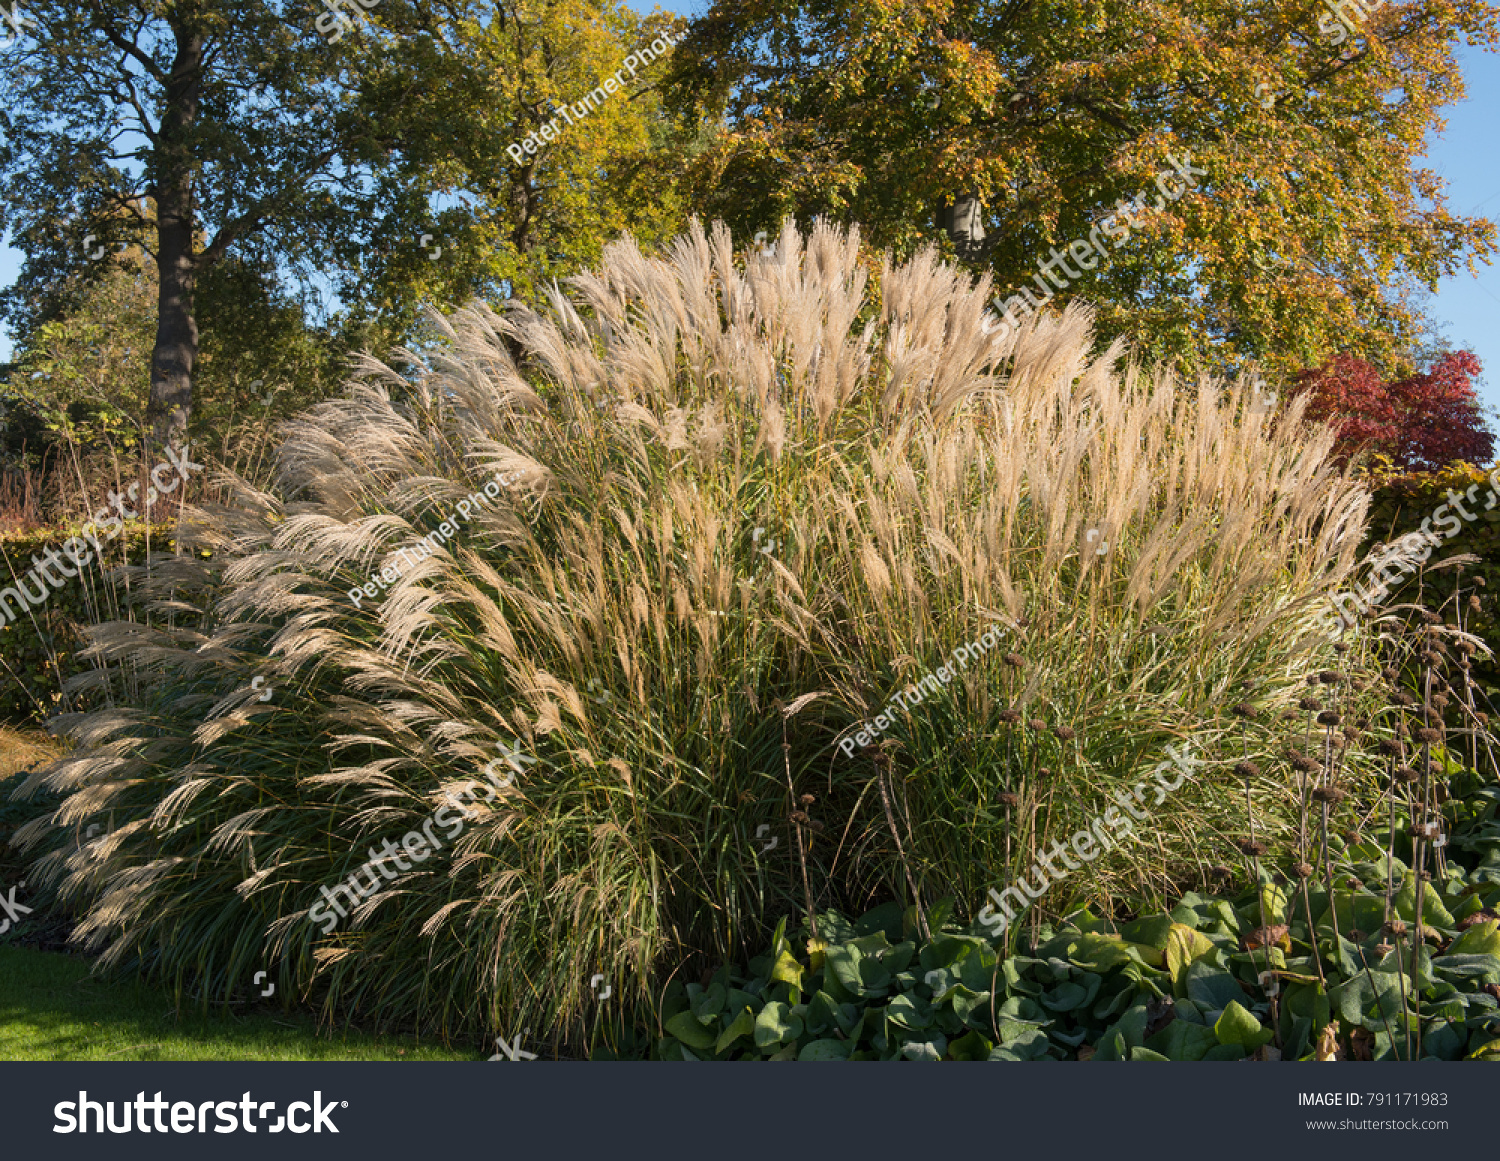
(1183, 947)
(970, 1046)
(843, 964)
(1481, 939)
(776, 1024)
(685, 1027)
(966, 1002)
(1099, 952)
(1180, 1040)
(931, 1049)
(706, 1006)
(743, 1025)
(825, 1050)
(787, 970)
(1152, 931)
(1238, 1026)
(1434, 914)
(1274, 900)
(911, 1012)
(1361, 911)
(823, 1013)
(1210, 986)
(1131, 1026)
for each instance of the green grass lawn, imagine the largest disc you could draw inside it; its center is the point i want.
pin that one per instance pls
(50, 1009)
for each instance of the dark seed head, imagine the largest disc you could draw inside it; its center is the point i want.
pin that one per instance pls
(1329, 718)
(1390, 674)
(1427, 734)
(1247, 711)
(1396, 927)
(1474, 604)
(815, 825)
(1441, 700)
(1247, 769)
(1008, 799)
(1301, 762)
(1340, 648)
(1311, 704)
(1303, 870)
(1356, 935)
(1389, 747)
(1329, 677)
(1404, 774)
(808, 799)
(798, 816)
(1010, 715)
(1015, 660)
(1037, 724)
(1220, 872)
(1252, 847)
(1064, 733)
(1329, 794)
(1044, 772)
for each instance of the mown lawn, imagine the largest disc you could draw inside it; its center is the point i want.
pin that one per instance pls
(50, 1009)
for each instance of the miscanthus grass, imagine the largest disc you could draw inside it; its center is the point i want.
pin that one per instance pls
(759, 496)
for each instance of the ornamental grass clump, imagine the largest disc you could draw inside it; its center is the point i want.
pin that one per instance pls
(752, 497)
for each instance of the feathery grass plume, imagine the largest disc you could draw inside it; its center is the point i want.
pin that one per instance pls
(743, 485)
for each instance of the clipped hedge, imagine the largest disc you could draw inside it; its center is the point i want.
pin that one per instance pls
(39, 649)
(1402, 500)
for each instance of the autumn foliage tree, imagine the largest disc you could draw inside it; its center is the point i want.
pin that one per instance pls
(1422, 422)
(243, 136)
(1001, 130)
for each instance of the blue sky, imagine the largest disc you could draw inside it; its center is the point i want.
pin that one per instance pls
(1464, 155)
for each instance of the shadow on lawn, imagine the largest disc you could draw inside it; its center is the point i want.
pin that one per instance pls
(51, 1008)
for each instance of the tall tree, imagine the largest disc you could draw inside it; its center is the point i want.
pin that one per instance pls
(344, 159)
(1311, 220)
(211, 126)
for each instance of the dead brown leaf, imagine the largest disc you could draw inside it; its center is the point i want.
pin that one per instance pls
(1275, 936)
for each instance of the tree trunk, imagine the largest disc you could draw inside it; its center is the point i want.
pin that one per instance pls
(176, 349)
(963, 219)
